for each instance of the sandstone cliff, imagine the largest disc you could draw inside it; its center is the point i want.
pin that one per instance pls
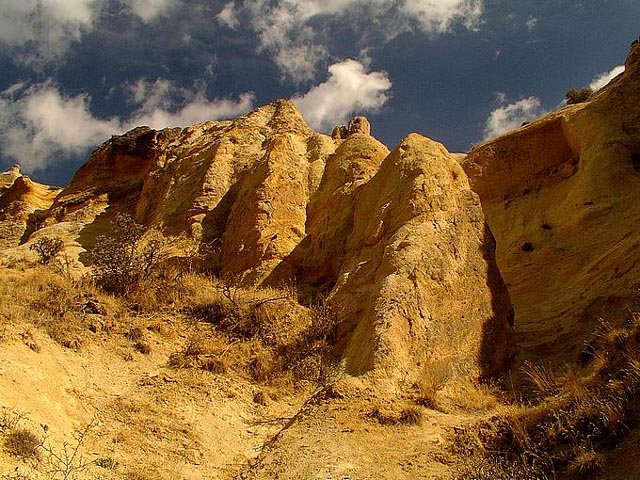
(397, 241)
(558, 194)
(22, 201)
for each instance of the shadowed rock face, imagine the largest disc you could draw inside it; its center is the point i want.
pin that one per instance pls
(558, 195)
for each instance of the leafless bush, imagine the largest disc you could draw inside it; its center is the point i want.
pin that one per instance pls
(47, 248)
(122, 261)
(66, 462)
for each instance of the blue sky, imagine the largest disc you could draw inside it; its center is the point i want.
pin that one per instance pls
(75, 72)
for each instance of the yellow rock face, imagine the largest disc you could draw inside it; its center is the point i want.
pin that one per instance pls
(559, 195)
(397, 241)
(22, 205)
(419, 282)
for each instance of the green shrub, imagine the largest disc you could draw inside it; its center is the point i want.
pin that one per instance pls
(574, 95)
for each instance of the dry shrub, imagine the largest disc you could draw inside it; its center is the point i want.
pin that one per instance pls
(201, 352)
(143, 347)
(262, 365)
(281, 335)
(47, 248)
(474, 397)
(22, 442)
(410, 416)
(578, 419)
(128, 262)
(434, 378)
(407, 416)
(260, 398)
(135, 334)
(214, 365)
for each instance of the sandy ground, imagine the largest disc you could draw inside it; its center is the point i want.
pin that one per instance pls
(144, 419)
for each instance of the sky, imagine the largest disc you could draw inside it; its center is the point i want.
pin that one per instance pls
(75, 72)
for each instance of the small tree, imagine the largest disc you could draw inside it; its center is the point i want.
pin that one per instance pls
(121, 261)
(578, 95)
(47, 248)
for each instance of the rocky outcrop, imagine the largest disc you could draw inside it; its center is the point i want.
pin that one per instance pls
(558, 195)
(397, 242)
(419, 282)
(23, 204)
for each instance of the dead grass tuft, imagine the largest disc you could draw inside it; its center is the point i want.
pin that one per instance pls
(434, 378)
(407, 416)
(22, 442)
(586, 462)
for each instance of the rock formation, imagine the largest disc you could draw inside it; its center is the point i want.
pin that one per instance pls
(22, 203)
(396, 241)
(557, 194)
(402, 243)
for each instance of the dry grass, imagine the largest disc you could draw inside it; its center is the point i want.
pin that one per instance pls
(576, 418)
(22, 442)
(434, 378)
(409, 415)
(61, 307)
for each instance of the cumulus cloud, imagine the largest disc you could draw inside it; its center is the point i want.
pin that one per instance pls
(227, 16)
(42, 30)
(349, 89)
(39, 125)
(293, 32)
(162, 104)
(148, 10)
(506, 117)
(601, 80)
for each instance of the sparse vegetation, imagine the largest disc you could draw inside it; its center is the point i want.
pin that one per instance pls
(22, 442)
(575, 418)
(47, 248)
(433, 380)
(67, 461)
(410, 415)
(122, 261)
(581, 95)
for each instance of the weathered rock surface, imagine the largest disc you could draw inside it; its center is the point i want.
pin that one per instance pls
(419, 282)
(558, 195)
(397, 241)
(22, 202)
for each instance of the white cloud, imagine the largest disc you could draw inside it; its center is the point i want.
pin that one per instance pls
(149, 10)
(601, 80)
(227, 16)
(43, 30)
(437, 16)
(349, 89)
(531, 23)
(293, 32)
(156, 105)
(507, 117)
(40, 126)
